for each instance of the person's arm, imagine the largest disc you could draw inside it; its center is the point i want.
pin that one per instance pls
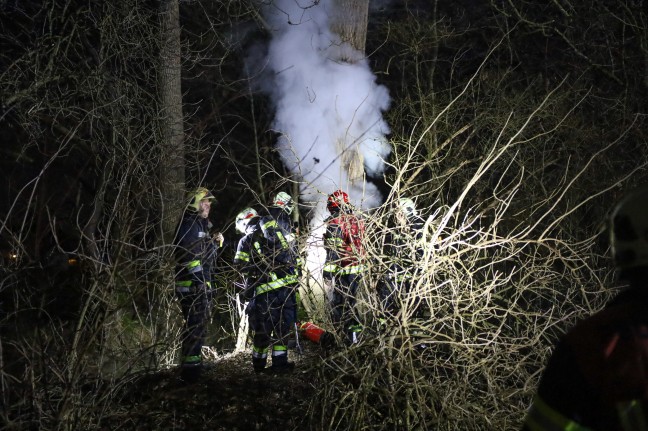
(563, 395)
(242, 255)
(273, 231)
(243, 264)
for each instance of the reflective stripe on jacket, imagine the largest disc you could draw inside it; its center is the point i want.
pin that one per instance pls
(541, 417)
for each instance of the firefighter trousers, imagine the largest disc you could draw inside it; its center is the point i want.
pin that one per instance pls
(274, 317)
(195, 310)
(343, 302)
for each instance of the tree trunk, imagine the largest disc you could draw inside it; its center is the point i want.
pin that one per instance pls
(349, 21)
(172, 183)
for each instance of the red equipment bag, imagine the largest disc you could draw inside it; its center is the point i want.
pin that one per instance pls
(311, 331)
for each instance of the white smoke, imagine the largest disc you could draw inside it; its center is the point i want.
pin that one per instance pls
(325, 109)
(328, 114)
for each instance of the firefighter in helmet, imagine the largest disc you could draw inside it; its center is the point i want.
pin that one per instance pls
(344, 265)
(404, 248)
(195, 252)
(264, 258)
(281, 209)
(278, 225)
(597, 376)
(247, 221)
(243, 219)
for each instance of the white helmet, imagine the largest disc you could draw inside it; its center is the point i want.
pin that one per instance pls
(408, 207)
(629, 230)
(243, 219)
(284, 201)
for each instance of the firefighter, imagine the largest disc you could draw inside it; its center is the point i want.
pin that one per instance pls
(344, 265)
(281, 210)
(597, 376)
(244, 223)
(404, 249)
(264, 258)
(195, 251)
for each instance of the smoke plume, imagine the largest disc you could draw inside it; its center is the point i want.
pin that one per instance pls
(328, 113)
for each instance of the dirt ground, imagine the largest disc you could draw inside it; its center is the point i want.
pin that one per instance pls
(230, 396)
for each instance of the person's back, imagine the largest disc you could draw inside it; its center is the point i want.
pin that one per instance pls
(284, 221)
(404, 252)
(247, 258)
(403, 240)
(349, 229)
(276, 245)
(344, 265)
(597, 377)
(263, 257)
(599, 369)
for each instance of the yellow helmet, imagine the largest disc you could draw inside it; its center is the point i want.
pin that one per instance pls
(197, 195)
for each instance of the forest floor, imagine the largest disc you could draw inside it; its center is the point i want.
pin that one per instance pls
(229, 396)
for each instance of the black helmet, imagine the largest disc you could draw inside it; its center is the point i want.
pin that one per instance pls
(629, 230)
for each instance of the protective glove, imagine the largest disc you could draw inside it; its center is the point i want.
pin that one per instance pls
(219, 239)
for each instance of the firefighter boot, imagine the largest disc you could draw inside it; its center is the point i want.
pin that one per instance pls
(259, 364)
(280, 364)
(285, 368)
(190, 371)
(259, 358)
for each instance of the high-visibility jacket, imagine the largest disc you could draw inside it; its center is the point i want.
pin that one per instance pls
(277, 237)
(266, 265)
(404, 248)
(195, 252)
(284, 222)
(597, 377)
(288, 231)
(343, 241)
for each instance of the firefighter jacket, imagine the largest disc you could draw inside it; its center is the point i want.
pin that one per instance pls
(404, 247)
(597, 377)
(265, 263)
(288, 231)
(343, 241)
(285, 223)
(276, 230)
(195, 252)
